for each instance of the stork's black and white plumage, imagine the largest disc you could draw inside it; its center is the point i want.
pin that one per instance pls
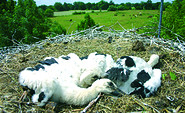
(94, 67)
(59, 79)
(142, 80)
(131, 74)
(73, 80)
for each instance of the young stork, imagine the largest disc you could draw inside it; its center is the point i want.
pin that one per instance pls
(58, 79)
(143, 80)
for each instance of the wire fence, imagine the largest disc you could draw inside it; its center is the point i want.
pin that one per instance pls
(102, 32)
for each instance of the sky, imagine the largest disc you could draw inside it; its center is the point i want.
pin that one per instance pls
(52, 2)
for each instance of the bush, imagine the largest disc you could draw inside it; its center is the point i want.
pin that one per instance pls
(112, 8)
(120, 7)
(49, 12)
(133, 8)
(78, 13)
(173, 19)
(85, 24)
(5, 31)
(4, 41)
(26, 24)
(57, 29)
(153, 25)
(116, 14)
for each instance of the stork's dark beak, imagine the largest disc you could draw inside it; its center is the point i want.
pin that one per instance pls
(117, 92)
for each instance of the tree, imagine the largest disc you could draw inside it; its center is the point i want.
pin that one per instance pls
(128, 6)
(112, 8)
(25, 23)
(57, 29)
(121, 7)
(3, 5)
(111, 2)
(95, 6)
(103, 5)
(156, 6)
(166, 4)
(79, 6)
(148, 5)
(51, 7)
(174, 19)
(87, 23)
(11, 5)
(7, 6)
(6, 15)
(49, 12)
(43, 7)
(58, 6)
(66, 6)
(138, 6)
(29, 22)
(143, 5)
(82, 6)
(89, 6)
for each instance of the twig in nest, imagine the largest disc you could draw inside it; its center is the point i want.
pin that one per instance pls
(18, 102)
(142, 103)
(23, 96)
(77, 110)
(178, 108)
(90, 104)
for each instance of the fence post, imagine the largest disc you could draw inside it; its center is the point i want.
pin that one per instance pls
(160, 19)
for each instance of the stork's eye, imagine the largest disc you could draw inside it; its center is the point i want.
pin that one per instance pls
(41, 96)
(95, 77)
(110, 83)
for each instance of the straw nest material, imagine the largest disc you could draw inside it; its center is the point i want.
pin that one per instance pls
(169, 98)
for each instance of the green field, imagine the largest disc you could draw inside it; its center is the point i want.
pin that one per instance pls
(125, 18)
(63, 13)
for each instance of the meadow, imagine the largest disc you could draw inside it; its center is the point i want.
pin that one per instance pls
(126, 18)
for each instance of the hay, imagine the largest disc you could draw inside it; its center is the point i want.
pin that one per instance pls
(169, 98)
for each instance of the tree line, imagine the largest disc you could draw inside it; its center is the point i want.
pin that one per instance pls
(104, 5)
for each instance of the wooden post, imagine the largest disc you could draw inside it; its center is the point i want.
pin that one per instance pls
(160, 19)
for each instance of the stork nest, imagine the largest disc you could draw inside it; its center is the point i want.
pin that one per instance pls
(170, 97)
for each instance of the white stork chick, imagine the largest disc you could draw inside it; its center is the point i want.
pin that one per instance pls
(58, 79)
(142, 80)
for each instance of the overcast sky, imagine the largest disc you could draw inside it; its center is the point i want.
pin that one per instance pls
(52, 2)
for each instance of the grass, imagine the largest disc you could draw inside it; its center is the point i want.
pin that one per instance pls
(170, 96)
(63, 13)
(125, 18)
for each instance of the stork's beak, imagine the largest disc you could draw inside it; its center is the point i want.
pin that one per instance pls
(117, 92)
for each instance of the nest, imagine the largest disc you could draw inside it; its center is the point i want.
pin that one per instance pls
(170, 97)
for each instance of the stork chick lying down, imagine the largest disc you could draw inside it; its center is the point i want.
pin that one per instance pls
(131, 74)
(73, 80)
(142, 80)
(58, 79)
